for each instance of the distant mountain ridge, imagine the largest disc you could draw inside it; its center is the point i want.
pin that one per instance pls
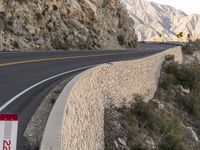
(156, 22)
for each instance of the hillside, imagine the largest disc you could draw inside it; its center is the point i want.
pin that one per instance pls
(72, 24)
(169, 121)
(153, 20)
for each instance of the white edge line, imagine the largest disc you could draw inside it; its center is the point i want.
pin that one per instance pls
(39, 83)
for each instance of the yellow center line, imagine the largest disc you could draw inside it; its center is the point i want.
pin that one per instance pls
(57, 58)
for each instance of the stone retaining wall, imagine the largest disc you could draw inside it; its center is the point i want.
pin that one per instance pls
(80, 107)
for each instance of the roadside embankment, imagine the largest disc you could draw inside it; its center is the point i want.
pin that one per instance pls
(77, 119)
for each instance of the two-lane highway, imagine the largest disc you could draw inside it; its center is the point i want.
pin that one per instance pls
(27, 77)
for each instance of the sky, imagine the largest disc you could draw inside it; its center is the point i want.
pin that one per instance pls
(188, 6)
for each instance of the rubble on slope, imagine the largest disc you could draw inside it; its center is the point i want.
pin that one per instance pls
(65, 24)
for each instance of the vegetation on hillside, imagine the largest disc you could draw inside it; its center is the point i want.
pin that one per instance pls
(178, 78)
(191, 47)
(145, 123)
(170, 121)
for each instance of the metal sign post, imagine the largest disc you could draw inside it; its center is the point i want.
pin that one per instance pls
(8, 131)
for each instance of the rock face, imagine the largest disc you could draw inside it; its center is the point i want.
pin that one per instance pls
(65, 24)
(155, 22)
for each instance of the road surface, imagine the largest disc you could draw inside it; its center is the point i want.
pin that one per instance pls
(21, 73)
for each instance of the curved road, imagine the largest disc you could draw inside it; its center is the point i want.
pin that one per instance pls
(21, 73)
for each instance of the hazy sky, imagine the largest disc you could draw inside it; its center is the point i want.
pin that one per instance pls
(188, 6)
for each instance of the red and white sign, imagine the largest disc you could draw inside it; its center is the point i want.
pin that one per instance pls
(8, 131)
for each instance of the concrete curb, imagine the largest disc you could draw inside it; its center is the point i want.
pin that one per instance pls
(52, 135)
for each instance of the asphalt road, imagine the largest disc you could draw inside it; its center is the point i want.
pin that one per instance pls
(21, 70)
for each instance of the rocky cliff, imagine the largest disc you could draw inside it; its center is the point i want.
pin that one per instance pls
(65, 24)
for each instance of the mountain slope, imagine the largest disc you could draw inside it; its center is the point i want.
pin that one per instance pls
(71, 24)
(189, 24)
(161, 22)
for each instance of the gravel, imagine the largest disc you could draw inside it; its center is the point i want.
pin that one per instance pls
(35, 129)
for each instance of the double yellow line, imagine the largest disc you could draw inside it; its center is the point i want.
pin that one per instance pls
(57, 58)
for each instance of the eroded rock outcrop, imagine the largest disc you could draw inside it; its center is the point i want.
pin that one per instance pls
(65, 24)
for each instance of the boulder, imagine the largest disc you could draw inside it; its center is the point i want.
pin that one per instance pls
(191, 133)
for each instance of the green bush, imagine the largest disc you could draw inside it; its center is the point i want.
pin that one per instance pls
(186, 75)
(172, 142)
(169, 58)
(138, 147)
(187, 49)
(172, 68)
(168, 81)
(191, 47)
(190, 103)
(142, 111)
(173, 139)
(189, 77)
(154, 120)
